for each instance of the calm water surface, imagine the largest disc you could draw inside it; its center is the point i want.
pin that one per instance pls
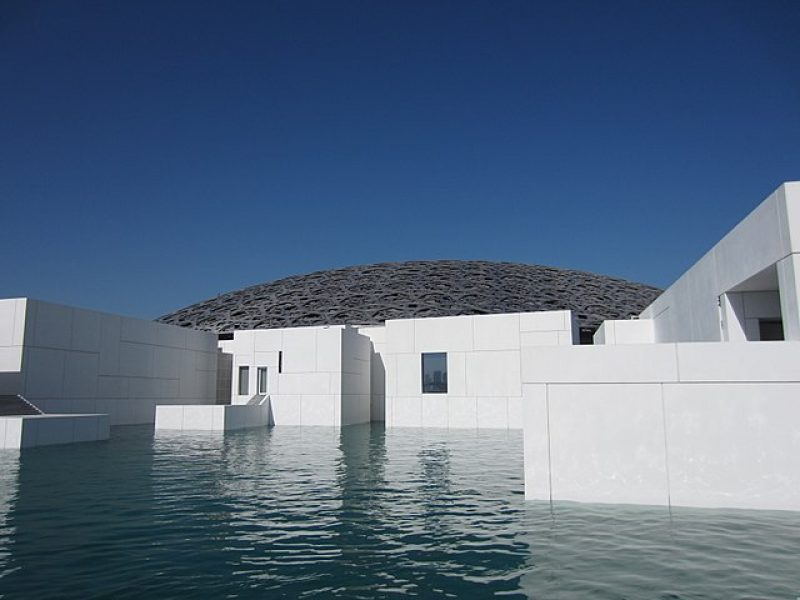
(358, 513)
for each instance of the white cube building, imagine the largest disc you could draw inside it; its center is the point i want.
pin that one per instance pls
(696, 403)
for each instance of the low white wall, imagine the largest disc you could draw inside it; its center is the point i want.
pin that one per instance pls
(688, 311)
(206, 417)
(483, 362)
(633, 331)
(324, 374)
(706, 424)
(49, 430)
(82, 361)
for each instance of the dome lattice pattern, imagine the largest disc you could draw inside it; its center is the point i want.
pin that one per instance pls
(371, 294)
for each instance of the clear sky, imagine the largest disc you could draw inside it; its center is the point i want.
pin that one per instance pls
(154, 154)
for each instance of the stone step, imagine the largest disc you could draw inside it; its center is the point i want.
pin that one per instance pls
(12, 405)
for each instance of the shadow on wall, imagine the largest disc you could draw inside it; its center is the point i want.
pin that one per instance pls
(377, 409)
(224, 377)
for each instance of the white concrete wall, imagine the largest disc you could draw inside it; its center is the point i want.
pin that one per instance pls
(705, 424)
(253, 349)
(207, 417)
(81, 361)
(742, 312)
(49, 430)
(483, 362)
(356, 368)
(632, 331)
(324, 378)
(12, 334)
(689, 311)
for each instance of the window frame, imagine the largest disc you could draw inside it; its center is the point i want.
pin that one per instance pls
(428, 390)
(259, 371)
(243, 382)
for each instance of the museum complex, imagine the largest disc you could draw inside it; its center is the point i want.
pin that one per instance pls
(626, 394)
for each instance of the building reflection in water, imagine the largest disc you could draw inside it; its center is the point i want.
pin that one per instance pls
(281, 512)
(9, 473)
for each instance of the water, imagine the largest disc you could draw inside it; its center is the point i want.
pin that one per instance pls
(361, 513)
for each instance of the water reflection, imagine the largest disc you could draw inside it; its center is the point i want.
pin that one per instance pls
(64, 529)
(9, 473)
(354, 513)
(357, 513)
(603, 551)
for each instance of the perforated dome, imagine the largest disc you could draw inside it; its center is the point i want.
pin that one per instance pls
(371, 294)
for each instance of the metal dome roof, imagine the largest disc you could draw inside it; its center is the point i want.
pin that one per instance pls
(371, 294)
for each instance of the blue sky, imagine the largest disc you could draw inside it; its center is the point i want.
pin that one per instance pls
(154, 154)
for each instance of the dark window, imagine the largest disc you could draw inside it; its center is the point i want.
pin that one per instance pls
(225, 336)
(770, 330)
(262, 380)
(244, 381)
(280, 361)
(434, 373)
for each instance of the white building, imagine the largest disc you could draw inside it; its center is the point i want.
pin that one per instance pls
(695, 402)
(451, 372)
(464, 371)
(69, 361)
(746, 287)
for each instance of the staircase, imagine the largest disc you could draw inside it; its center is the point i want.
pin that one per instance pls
(14, 405)
(258, 399)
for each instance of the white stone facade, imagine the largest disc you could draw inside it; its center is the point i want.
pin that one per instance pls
(211, 417)
(752, 273)
(315, 375)
(68, 360)
(690, 424)
(688, 405)
(484, 386)
(48, 430)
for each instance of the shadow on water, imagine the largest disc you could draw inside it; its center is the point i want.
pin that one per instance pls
(361, 512)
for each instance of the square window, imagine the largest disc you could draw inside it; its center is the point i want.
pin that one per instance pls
(434, 373)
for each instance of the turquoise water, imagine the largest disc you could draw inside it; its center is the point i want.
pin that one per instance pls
(358, 513)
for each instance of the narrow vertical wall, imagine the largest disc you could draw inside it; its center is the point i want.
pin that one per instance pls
(12, 338)
(789, 284)
(377, 386)
(356, 367)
